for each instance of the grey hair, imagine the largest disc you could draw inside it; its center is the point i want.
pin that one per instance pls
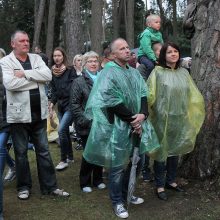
(16, 32)
(150, 18)
(88, 55)
(112, 45)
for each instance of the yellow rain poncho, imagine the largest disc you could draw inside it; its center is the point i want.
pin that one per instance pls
(110, 144)
(176, 110)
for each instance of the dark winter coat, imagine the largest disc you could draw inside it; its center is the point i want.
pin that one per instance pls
(60, 89)
(3, 123)
(79, 95)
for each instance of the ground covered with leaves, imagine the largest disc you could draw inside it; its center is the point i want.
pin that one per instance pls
(196, 204)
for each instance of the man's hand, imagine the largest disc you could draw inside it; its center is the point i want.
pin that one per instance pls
(136, 124)
(19, 73)
(138, 119)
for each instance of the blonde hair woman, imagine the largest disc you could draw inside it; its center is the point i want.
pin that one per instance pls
(77, 64)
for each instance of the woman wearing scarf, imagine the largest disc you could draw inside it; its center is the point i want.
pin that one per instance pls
(60, 88)
(79, 95)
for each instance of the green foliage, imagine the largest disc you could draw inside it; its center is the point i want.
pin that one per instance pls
(15, 14)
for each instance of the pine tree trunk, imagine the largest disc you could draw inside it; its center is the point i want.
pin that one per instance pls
(129, 25)
(175, 33)
(50, 29)
(204, 161)
(96, 26)
(38, 22)
(73, 27)
(115, 18)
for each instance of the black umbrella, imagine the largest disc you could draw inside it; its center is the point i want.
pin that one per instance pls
(135, 158)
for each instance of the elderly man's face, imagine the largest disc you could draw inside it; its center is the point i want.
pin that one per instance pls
(122, 51)
(20, 43)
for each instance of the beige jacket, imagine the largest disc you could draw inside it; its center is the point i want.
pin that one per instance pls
(17, 89)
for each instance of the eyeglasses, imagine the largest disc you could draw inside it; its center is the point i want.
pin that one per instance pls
(92, 61)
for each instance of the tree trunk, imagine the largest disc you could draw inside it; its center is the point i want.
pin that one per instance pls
(146, 5)
(73, 27)
(96, 26)
(115, 15)
(129, 24)
(204, 161)
(38, 22)
(50, 29)
(36, 7)
(175, 33)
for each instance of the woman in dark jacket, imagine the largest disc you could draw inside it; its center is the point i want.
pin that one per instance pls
(4, 135)
(80, 91)
(60, 91)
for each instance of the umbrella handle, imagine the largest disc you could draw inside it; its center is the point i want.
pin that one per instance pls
(136, 140)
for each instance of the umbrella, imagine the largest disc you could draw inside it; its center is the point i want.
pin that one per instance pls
(135, 158)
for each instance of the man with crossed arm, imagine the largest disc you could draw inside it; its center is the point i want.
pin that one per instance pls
(24, 77)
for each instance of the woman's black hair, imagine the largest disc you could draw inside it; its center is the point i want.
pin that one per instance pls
(162, 56)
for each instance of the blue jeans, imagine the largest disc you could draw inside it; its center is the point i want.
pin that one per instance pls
(3, 141)
(145, 164)
(65, 120)
(148, 64)
(37, 131)
(169, 167)
(118, 183)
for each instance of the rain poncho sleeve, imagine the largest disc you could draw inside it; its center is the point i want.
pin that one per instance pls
(110, 144)
(176, 111)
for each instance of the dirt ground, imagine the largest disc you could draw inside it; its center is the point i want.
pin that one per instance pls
(195, 204)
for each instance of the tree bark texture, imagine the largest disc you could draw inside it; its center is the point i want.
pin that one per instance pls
(129, 24)
(204, 161)
(115, 18)
(50, 28)
(174, 7)
(96, 26)
(73, 27)
(38, 22)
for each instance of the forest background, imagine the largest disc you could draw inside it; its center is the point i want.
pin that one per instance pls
(78, 25)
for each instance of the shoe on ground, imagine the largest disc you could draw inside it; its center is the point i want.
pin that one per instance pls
(101, 186)
(175, 188)
(120, 211)
(62, 165)
(11, 174)
(60, 192)
(87, 189)
(136, 200)
(69, 160)
(23, 194)
(147, 177)
(162, 195)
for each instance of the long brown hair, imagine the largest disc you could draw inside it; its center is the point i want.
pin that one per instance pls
(65, 60)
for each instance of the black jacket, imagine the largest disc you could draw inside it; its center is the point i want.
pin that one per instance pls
(79, 95)
(60, 89)
(3, 124)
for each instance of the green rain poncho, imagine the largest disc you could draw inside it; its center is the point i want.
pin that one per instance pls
(108, 144)
(176, 111)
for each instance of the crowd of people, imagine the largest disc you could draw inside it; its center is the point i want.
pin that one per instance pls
(113, 104)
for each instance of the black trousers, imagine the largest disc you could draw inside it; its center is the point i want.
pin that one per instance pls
(87, 169)
(37, 131)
